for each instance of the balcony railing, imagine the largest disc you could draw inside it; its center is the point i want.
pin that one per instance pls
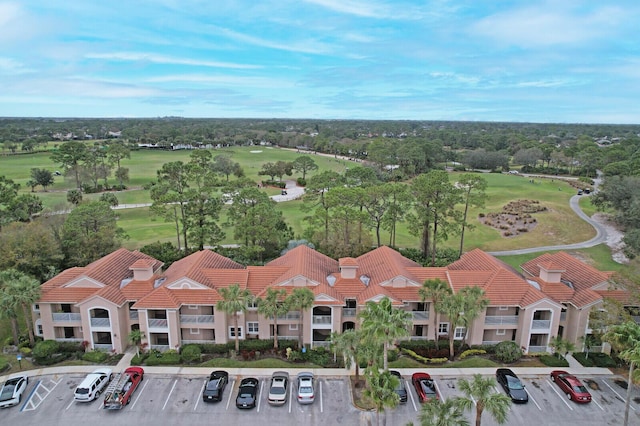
(106, 347)
(490, 342)
(161, 348)
(321, 343)
(196, 319)
(188, 342)
(418, 337)
(348, 312)
(285, 337)
(68, 339)
(563, 316)
(293, 315)
(501, 320)
(158, 323)
(541, 324)
(100, 322)
(537, 349)
(66, 317)
(322, 319)
(420, 315)
(133, 315)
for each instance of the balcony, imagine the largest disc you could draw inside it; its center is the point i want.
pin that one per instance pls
(133, 315)
(196, 319)
(322, 319)
(161, 348)
(348, 312)
(490, 342)
(501, 320)
(105, 347)
(537, 349)
(420, 315)
(69, 339)
(66, 317)
(101, 322)
(158, 323)
(293, 315)
(541, 324)
(419, 337)
(196, 342)
(321, 343)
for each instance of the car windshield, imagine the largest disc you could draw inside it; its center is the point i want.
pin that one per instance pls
(306, 389)
(7, 392)
(514, 383)
(278, 391)
(245, 395)
(426, 387)
(213, 384)
(580, 389)
(82, 391)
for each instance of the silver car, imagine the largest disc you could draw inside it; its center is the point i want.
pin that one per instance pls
(278, 388)
(306, 388)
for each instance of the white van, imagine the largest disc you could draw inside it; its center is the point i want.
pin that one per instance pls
(92, 385)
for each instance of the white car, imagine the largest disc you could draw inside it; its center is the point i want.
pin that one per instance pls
(306, 392)
(278, 388)
(12, 390)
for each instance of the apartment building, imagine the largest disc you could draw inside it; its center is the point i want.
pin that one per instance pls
(102, 302)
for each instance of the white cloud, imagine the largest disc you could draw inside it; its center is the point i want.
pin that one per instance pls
(162, 59)
(241, 82)
(304, 46)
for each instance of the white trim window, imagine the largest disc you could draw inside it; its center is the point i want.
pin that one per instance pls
(38, 330)
(232, 332)
(252, 304)
(459, 333)
(36, 307)
(501, 332)
(253, 327)
(443, 328)
(194, 331)
(503, 308)
(293, 327)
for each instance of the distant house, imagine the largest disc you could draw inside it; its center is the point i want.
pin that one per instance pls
(126, 290)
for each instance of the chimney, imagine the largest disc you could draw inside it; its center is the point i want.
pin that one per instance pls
(348, 267)
(142, 269)
(551, 272)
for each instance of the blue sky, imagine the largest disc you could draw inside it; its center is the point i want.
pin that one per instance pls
(560, 61)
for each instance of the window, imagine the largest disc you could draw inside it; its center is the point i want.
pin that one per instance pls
(443, 328)
(232, 332)
(194, 331)
(38, 327)
(503, 308)
(500, 332)
(293, 327)
(252, 328)
(192, 307)
(36, 308)
(459, 333)
(252, 304)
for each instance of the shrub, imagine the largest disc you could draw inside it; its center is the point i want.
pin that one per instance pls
(553, 361)
(301, 182)
(139, 359)
(96, 357)
(508, 352)
(470, 352)
(45, 349)
(171, 357)
(26, 351)
(420, 358)
(317, 356)
(191, 353)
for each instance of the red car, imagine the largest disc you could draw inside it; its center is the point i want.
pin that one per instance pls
(571, 386)
(119, 391)
(425, 386)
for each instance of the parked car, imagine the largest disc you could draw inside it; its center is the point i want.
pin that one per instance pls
(512, 385)
(215, 386)
(278, 388)
(579, 191)
(571, 386)
(247, 393)
(12, 390)
(306, 388)
(401, 390)
(425, 386)
(119, 392)
(92, 385)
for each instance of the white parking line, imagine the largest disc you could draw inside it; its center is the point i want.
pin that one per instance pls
(70, 404)
(596, 402)
(413, 401)
(442, 397)
(321, 403)
(533, 399)
(169, 396)
(139, 394)
(553, 387)
(230, 393)
(619, 396)
(201, 392)
(290, 396)
(260, 394)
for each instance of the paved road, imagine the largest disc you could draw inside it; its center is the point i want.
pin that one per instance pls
(601, 235)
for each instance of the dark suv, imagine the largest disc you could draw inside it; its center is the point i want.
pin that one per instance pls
(401, 390)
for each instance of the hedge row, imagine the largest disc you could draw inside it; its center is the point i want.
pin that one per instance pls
(553, 361)
(417, 357)
(596, 359)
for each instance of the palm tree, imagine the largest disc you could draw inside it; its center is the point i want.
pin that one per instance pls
(481, 390)
(381, 390)
(234, 300)
(462, 308)
(9, 302)
(436, 412)
(273, 305)
(135, 337)
(347, 343)
(625, 338)
(25, 291)
(384, 324)
(302, 299)
(561, 346)
(434, 290)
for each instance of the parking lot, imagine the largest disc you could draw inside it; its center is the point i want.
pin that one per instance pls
(169, 399)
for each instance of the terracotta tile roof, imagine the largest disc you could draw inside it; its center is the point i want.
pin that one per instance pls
(551, 266)
(306, 261)
(347, 261)
(143, 264)
(160, 298)
(67, 295)
(137, 289)
(384, 263)
(621, 296)
(194, 265)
